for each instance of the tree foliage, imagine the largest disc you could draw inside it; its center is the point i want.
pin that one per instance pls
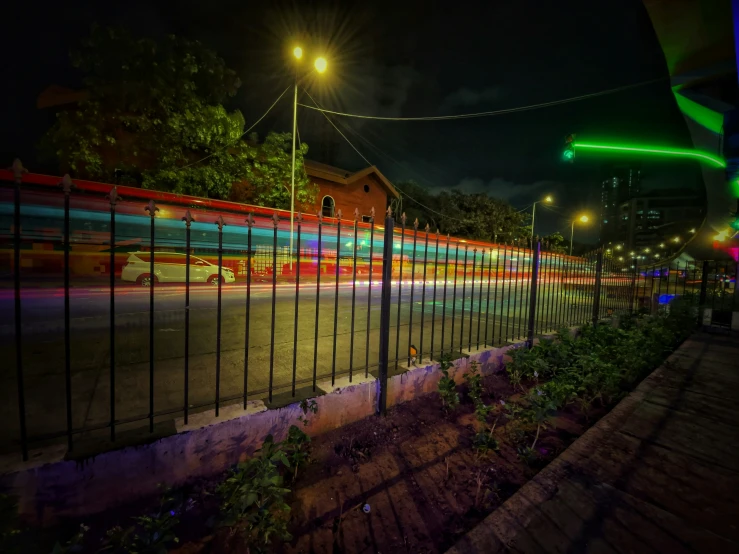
(472, 216)
(554, 243)
(153, 111)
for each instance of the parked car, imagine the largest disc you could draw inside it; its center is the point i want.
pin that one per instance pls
(169, 267)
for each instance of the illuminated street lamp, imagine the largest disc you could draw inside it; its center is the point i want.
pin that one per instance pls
(548, 200)
(619, 247)
(661, 244)
(320, 65)
(581, 219)
(647, 250)
(676, 239)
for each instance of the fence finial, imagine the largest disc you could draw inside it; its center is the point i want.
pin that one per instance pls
(339, 214)
(319, 215)
(220, 222)
(389, 211)
(372, 213)
(250, 220)
(403, 219)
(275, 219)
(427, 228)
(415, 224)
(151, 207)
(356, 214)
(113, 196)
(18, 170)
(299, 218)
(187, 219)
(67, 185)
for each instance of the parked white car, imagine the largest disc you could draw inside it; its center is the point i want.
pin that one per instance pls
(169, 267)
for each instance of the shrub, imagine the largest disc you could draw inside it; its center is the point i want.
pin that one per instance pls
(253, 498)
(447, 386)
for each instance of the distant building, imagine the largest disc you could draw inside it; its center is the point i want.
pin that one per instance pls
(647, 221)
(339, 189)
(621, 185)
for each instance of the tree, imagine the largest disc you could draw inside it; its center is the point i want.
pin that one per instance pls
(268, 175)
(154, 115)
(480, 217)
(554, 243)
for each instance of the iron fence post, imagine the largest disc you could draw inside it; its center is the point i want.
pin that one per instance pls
(596, 288)
(703, 292)
(113, 198)
(18, 171)
(632, 292)
(219, 223)
(533, 291)
(188, 219)
(66, 186)
(387, 258)
(152, 209)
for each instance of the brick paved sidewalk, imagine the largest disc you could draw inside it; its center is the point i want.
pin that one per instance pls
(659, 474)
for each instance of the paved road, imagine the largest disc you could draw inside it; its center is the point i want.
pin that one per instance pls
(44, 354)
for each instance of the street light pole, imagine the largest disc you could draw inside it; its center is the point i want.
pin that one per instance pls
(572, 235)
(548, 199)
(292, 186)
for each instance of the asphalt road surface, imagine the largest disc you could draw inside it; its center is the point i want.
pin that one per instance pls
(326, 344)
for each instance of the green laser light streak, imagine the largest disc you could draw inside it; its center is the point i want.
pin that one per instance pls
(656, 151)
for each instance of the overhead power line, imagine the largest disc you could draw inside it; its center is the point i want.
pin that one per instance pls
(489, 113)
(242, 134)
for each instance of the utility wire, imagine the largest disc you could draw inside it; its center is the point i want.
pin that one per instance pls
(338, 130)
(370, 163)
(489, 113)
(242, 134)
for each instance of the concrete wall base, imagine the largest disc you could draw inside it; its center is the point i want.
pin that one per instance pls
(49, 487)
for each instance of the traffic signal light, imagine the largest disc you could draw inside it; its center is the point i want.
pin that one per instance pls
(569, 153)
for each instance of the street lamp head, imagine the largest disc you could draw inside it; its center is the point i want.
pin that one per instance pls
(549, 199)
(298, 52)
(584, 219)
(321, 64)
(647, 250)
(676, 239)
(619, 247)
(661, 244)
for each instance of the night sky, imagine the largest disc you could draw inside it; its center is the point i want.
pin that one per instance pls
(405, 59)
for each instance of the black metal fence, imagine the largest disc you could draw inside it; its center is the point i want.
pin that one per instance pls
(125, 312)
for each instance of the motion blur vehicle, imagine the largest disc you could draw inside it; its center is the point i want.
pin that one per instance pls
(169, 267)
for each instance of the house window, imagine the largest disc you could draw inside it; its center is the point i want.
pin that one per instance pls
(327, 206)
(366, 219)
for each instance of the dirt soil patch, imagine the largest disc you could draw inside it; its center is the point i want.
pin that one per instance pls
(411, 481)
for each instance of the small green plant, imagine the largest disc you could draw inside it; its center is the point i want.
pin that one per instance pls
(9, 524)
(253, 498)
(483, 441)
(540, 408)
(447, 386)
(307, 406)
(150, 534)
(297, 449)
(75, 544)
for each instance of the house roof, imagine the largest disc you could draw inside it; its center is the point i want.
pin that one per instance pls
(344, 177)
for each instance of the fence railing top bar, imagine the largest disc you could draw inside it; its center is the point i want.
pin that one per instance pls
(127, 193)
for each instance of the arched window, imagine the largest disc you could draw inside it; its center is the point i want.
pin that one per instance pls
(327, 206)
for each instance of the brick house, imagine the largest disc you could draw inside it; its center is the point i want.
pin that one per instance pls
(339, 189)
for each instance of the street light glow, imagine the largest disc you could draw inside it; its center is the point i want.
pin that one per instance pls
(298, 52)
(548, 199)
(661, 244)
(676, 239)
(321, 64)
(584, 219)
(647, 250)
